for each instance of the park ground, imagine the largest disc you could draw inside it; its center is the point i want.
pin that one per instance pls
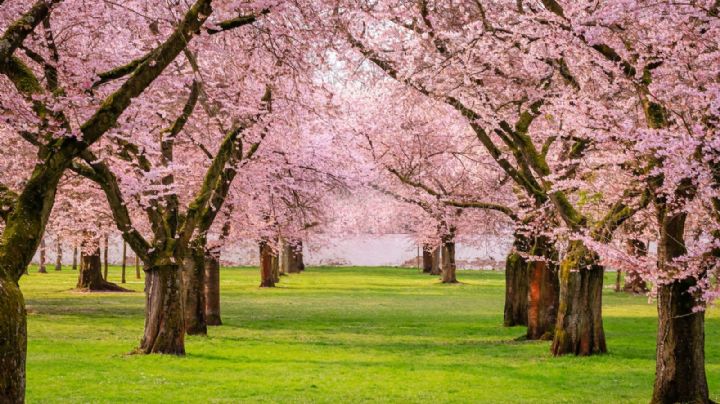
(335, 335)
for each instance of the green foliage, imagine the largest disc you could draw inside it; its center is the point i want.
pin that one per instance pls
(335, 335)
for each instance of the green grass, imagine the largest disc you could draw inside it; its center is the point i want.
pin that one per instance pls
(335, 335)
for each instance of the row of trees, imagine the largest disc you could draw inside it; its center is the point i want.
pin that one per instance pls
(577, 128)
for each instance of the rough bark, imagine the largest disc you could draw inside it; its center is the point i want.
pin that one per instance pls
(124, 263)
(448, 261)
(164, 320)
(212, 287)
(543, 293)
(41, 266)
(193, 277)
(75, 257)
(267, 279)
(58, 254)
(13, 342)
(90, 275)
(633, 281)
(516, 284)
(579, 326)
(680, 363)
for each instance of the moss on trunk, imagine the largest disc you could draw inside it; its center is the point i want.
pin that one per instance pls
(193, 294)
(579, 327)
(164, 319)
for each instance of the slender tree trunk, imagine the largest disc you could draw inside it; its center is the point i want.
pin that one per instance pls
(448, 260)
(212, 287)
(427, 259)
(75, 257)
(124, 262)
(275, 263)
(193, 289)
(284, 257)
(543, 292)
(266, 271)
(579, 327)
(137, 267)
(13, 341)
(633, 281)
(58, 254)
(106, 257)
(516, 284)
(164, 320)
(680, 363)
(90, 274)
(436, 269)
(618, 279)
(41, 268)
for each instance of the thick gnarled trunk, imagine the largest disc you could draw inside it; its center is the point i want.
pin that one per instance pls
(90, 276)
(680, 362)
(427, 258)
(212, 287)
(267, 278)
(516, 285)
(579, 327)
(193, 275)
(13, 342)
(448, 260)
(543, 293)
(164, 319)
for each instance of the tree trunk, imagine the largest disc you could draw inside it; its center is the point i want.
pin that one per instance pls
(193, 294)
(618, 278)
(124, 262)
(680, 363)
(436, 270)
(516, 284)
(448, 260)
(164, 320)
(137, 267)
(633, 281)
(284, 257)
(13, 341)
(275, 263)
(543, 292)
(212, 287)
(106, 258)
(293, 257)
(579, 327)
(75, 257)
(58, 254)
(267, 279)
(427, 259)
(41, 268)
(90, 275)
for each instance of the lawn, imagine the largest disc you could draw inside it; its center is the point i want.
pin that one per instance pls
(335, 335)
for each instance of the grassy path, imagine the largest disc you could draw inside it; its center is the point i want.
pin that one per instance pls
(335, 335)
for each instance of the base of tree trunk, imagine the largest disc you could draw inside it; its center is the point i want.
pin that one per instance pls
(212, 288)
(435, 269)
(13, 342)
(579, 328)
(680, 365)
(267, 278)
(635, 284)
(449, 265)
(543, 301)
(164, 320)
(90, 277)
(193, 275)
(516, 290)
